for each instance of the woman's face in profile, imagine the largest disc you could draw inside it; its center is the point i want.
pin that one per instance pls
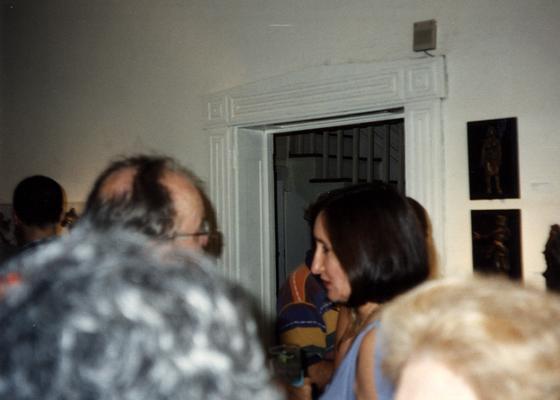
(327, 266)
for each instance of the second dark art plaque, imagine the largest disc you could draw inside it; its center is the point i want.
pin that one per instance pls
(496, 242)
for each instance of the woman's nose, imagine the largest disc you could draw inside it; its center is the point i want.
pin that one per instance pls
(317, 264)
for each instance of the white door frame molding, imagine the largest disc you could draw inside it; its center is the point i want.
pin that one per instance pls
(417, 85)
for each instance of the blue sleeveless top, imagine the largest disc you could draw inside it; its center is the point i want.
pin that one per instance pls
(342, 384)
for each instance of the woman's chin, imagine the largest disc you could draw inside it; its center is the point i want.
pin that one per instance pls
(336, 297)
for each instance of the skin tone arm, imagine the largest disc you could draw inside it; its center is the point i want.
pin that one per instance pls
(365, 382)
(320, 373)
(299, 393)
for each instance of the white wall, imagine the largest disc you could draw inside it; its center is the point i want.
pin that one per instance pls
(88, 79)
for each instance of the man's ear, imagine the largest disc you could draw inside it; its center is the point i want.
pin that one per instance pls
(203, 241)
(15, 219)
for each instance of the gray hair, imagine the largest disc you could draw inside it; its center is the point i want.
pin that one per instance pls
(113, 316)
(502, 338)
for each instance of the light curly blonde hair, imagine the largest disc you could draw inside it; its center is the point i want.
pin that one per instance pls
(502, 338)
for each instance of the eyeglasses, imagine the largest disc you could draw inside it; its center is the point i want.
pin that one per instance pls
(203, 231)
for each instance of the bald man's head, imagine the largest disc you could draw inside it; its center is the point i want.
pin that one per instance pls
(152, 195)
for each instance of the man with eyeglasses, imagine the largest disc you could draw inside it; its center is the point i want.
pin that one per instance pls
(153, 195)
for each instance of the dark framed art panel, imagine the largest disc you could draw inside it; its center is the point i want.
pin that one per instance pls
(496, 242)
(493, 159)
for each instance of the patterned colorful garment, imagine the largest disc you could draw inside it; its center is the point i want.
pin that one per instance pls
(306, 317)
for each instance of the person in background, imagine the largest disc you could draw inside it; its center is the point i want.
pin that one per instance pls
(307, 318)
(110, 315)
(6, 246)
(370, 248)
(426, 225)
(155, 196)
(37, 202)
(552, 258)
(473, 339)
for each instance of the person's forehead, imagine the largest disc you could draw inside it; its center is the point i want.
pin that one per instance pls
(118, 183)
(319, 221)
(182, 190)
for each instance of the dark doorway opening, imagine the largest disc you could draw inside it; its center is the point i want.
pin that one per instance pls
(310, 162)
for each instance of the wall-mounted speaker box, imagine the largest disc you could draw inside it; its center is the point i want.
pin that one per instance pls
(425, 33)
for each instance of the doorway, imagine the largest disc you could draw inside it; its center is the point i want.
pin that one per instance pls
(313, 161)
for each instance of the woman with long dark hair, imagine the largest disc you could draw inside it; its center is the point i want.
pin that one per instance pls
(370, 248)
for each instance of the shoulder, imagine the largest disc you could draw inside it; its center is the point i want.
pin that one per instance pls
(365, 373)
(367, 347)
(292, 289)
(302, 286)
